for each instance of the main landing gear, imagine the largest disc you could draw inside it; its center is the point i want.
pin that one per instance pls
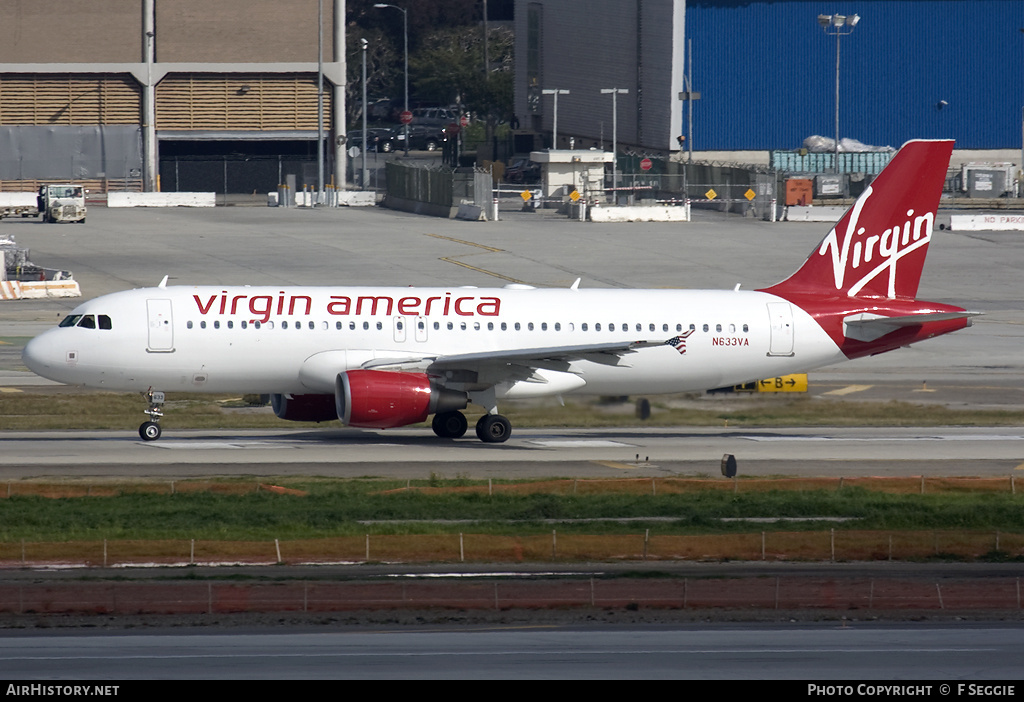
(450, 425)
(491, 429)
(150, 430)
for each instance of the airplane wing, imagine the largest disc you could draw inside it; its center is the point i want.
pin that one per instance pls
(868, 327)
(508, 365)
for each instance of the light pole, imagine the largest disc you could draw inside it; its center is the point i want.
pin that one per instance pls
(838, 26)
(366, 174)
(1020, 171)
(554, 125)
(319, 103)
(615, 92)
(405, 34)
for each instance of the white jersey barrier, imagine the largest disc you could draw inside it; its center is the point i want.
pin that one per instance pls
(817, 213)
(34, 290)
(986, 222)
(640, 213)
(161, 199)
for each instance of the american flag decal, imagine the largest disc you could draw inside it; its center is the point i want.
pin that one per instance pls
(679, 342)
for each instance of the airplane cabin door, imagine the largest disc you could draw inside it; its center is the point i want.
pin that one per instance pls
(400, 331)
(161, 326)
(781, 316)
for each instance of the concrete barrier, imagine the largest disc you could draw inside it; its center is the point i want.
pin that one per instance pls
(357, 198)
(37, 290)
(161, 200)
(640, 214)
(986, 222)
(332, 198)
(50, 288)
(10, 290)
(796, 213)
(472, 213)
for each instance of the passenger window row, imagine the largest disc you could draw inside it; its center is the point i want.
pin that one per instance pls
(462, 326)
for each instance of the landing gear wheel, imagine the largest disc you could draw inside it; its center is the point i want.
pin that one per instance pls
(493, 429)
(149, 431)
(450, 425)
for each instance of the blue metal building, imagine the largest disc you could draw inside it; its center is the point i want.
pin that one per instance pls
(910, 69)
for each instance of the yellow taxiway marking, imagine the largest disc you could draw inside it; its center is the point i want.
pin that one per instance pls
(483, 270)
(1020, 467)
(849, 389)
(467, 243)
(10, 390)
(488, 249)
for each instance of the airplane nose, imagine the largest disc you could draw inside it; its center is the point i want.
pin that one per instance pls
(40, 356)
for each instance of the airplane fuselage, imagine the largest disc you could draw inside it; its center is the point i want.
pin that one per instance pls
(296, 340)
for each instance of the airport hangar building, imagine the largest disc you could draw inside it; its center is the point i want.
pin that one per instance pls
(766, 72)
(118, 89)
(112, 91)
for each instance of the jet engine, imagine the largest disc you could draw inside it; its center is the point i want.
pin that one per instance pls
(304, 408)
(387, 399)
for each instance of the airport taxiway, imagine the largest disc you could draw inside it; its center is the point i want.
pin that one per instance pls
(980, 367)
(530, 453)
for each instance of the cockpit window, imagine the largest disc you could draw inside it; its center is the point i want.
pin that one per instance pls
(87, 321)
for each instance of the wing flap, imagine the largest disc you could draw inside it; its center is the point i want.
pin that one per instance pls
(501, 365)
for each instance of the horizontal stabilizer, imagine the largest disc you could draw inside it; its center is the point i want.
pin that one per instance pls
(868, 327)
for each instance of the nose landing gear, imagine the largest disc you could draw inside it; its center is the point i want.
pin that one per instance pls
(150, 430)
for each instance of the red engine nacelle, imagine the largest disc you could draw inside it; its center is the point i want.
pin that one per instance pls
(304, 408)
(387, 399)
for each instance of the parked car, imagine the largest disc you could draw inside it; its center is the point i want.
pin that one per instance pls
(523, 170)
(422, 137)
(375, 137)
(441, 116)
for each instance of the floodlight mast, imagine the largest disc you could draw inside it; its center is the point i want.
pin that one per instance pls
(555, 92)
(838, 26)
(615, 92)
(405, 34)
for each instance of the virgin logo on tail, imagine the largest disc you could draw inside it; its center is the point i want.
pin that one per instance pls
(887, 248)
(878, 247)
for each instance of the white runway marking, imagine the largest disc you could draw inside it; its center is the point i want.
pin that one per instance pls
(206, 445)
(579, 443)
(929, 437)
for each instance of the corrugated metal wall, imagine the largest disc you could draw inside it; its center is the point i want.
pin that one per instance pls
(766, 72)
(239, 101)
(37, 99)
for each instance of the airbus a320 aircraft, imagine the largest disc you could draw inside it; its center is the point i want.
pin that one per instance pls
(390, 357)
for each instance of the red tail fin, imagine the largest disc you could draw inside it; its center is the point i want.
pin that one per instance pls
(878, 248)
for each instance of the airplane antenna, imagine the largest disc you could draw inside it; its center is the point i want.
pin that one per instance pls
(736, 289)
(576, 285)
(163, 283)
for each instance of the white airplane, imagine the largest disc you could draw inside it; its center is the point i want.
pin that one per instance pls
(390, 357)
